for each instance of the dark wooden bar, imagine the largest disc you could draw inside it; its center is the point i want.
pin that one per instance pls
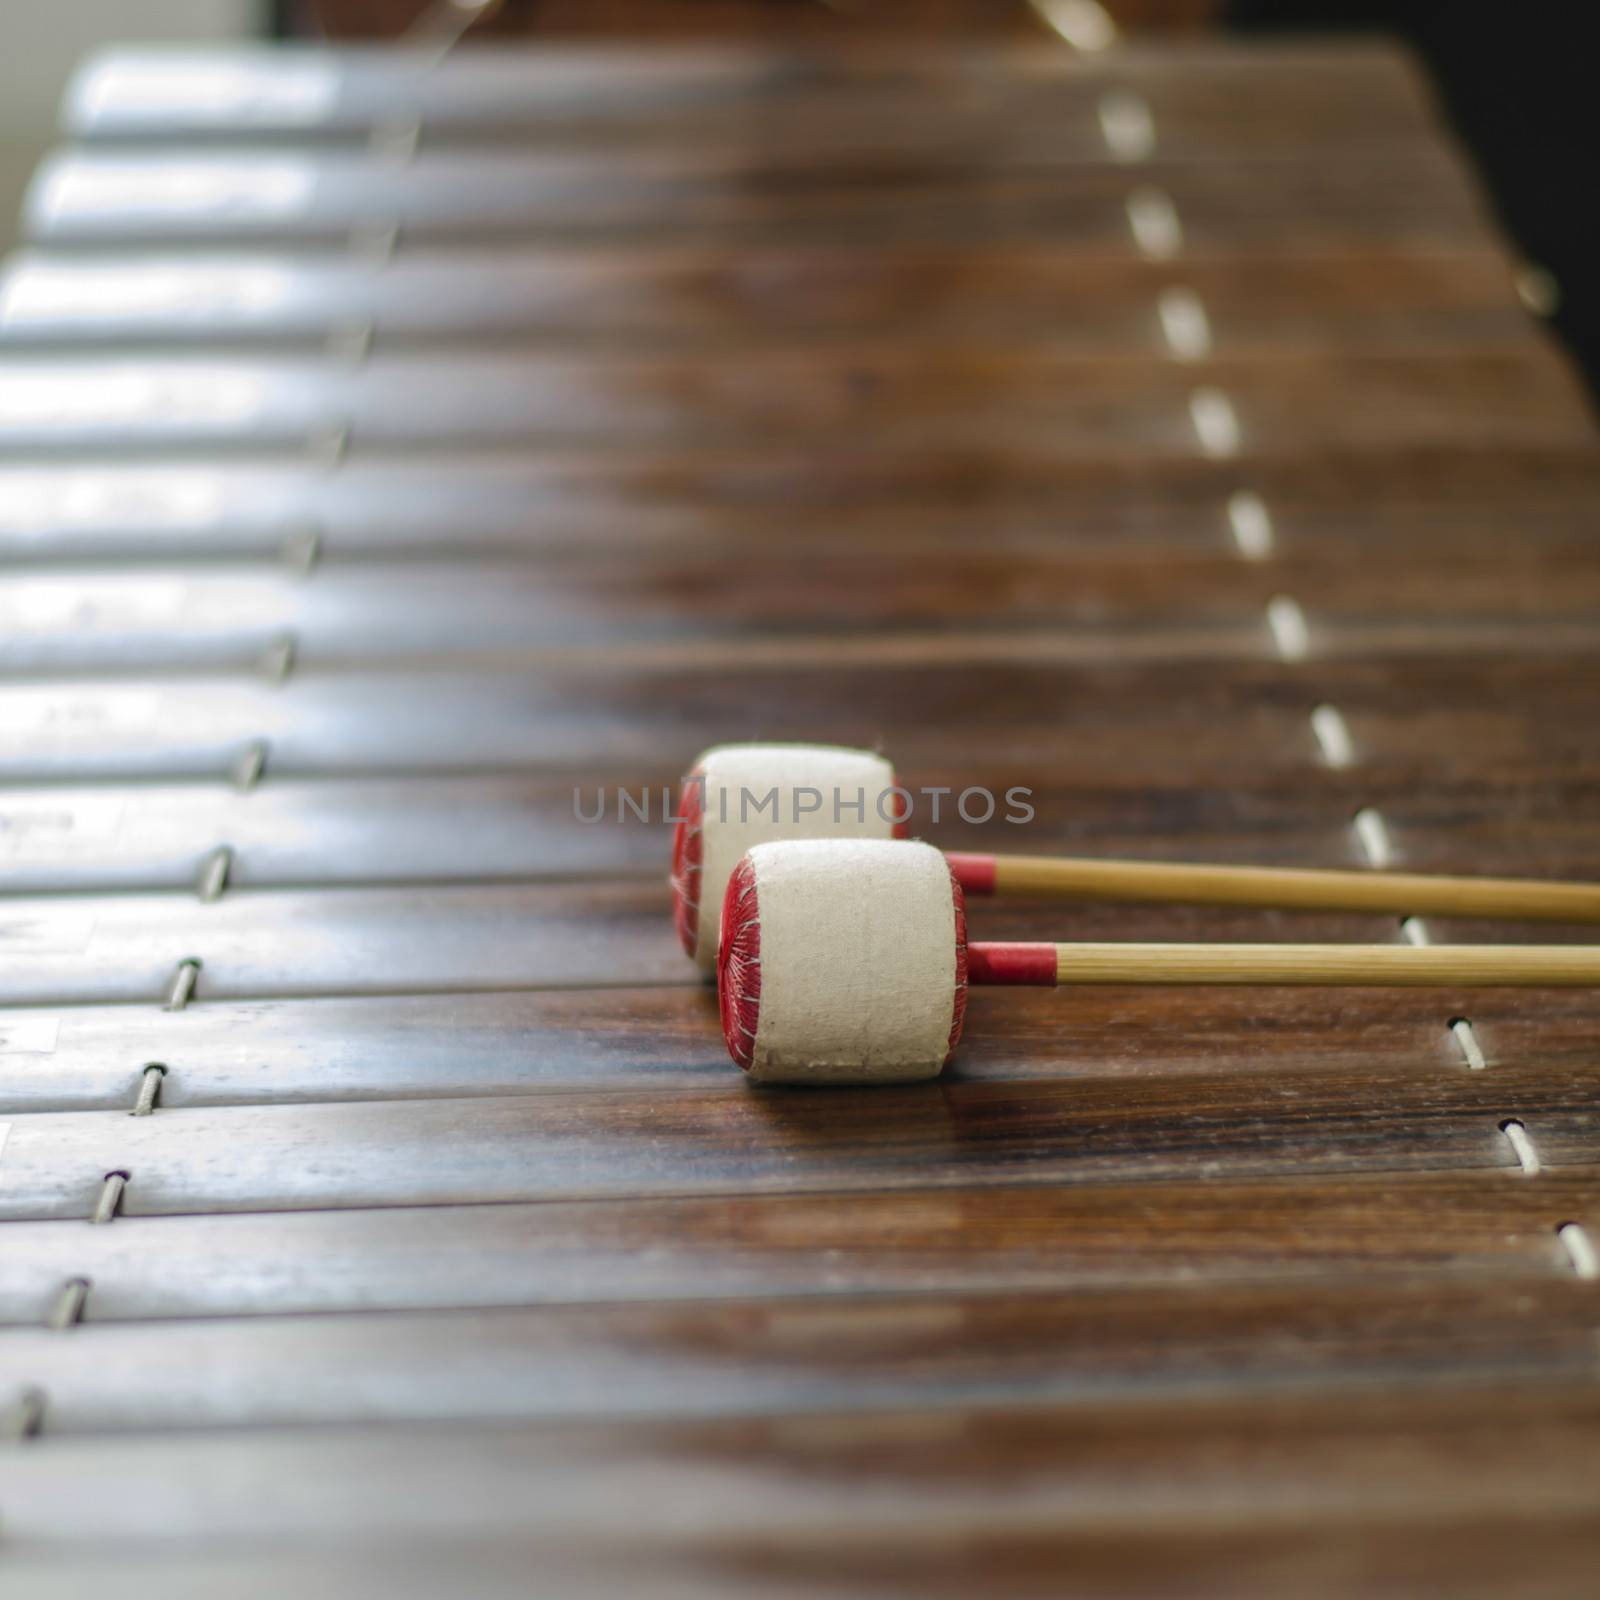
(1006, 1239)
(600, 719)
(729, 1142)
(1416, 197)
(1093, 408)
(733, 1358)
(1022, 1465)
(462, 505)
(330, 831)
(659, 1040)
(1002, 101)
(174, 620)
(689, 298)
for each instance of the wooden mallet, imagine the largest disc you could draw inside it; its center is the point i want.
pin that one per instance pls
(847, 961)
(738, 796)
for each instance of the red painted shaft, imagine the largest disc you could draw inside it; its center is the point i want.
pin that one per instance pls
(1030, 964)
(975, 874)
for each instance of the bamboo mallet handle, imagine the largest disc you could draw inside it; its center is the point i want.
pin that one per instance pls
(1399, 893)
(1378, 965)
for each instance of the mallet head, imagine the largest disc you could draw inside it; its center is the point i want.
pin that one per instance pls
(842, 961)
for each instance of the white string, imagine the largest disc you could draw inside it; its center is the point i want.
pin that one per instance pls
(1185, 324)
(1333, 734)
(1251, 523)
(1084, 24)
(1517, 1136)
(1216, 424)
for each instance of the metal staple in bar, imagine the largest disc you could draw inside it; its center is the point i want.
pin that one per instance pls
(181, 989)
(247, 769)
(110, 1201)
(1184, 324)
(1466, 1036)
(1154, 220)
(1333, 734)
(1580, 1248)
(1289, 630)
(1216, 424)
(350, 342)
(149, 1089)
(395, 139)
(1517, 1136)
(328, 447)
(1373, 832)
(374, 242)
(302, 548)
(1084, 24)
(214, 871)
(1538, 291)
(277, 660)
(67, 1311)
(1251, 523)
(441, 26)
(1126, 123)
(25, 1415)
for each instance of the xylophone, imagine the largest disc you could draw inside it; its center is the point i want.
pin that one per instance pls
(410, 458)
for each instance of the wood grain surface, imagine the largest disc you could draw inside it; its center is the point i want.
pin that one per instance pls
(1024, 107)
(972, 699)
(1095, 408)
(483, 828)
(172, 619)
(1341, 94)
(740, 297)
(392, 463)
(470, 504)
(1025, 1238)
(1416, 197)
(336, 1048)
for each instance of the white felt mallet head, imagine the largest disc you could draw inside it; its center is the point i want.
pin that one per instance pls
(842, 961)
(737, 796)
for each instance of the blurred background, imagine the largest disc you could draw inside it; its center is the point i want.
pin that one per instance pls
(1510, 78)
